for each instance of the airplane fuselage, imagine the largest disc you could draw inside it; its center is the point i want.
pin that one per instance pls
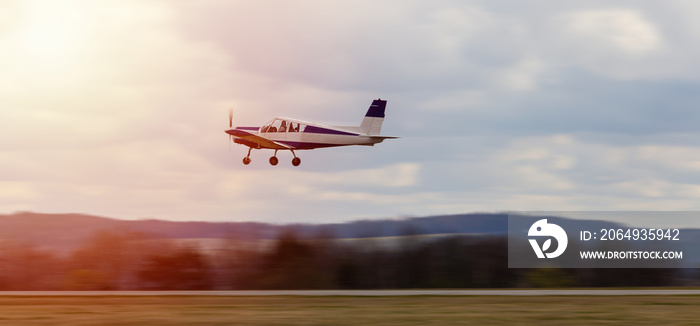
(293, 134)
(308, 136)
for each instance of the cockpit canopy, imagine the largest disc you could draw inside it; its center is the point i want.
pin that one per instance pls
(283, 125)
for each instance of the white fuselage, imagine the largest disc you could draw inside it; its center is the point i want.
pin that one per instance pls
(303, 135)
(293, 134)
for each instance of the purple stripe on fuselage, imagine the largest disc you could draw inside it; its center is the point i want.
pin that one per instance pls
(319, 130)
(248, 128)
(305, 145)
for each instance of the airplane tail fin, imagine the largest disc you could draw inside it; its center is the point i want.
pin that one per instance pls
(372, 123)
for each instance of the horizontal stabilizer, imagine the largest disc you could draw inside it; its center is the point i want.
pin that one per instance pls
(379, 139)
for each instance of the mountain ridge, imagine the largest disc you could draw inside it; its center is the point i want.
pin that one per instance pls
(69, 230)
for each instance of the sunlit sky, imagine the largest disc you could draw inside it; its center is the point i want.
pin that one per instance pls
(117, 108)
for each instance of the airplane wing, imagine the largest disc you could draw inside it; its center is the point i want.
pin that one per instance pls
(264, 142)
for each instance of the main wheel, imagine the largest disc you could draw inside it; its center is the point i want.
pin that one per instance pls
(296, 161)
(274, 160)
(246, 160)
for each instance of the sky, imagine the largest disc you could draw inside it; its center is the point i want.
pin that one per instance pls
(118, 108)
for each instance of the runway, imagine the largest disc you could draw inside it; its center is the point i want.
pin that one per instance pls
(370, 293)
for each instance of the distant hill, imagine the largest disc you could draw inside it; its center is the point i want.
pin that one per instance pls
(64, 232)
(69, 230)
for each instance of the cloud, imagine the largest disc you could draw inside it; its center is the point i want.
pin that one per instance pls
(118, 107)
(398, 175)
(522, 76)
(621, 29)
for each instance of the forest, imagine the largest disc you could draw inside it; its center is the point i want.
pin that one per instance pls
(123, 260)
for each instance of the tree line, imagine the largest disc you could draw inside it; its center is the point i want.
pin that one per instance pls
(135, 261)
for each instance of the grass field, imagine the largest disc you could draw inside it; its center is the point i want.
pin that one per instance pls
(421, 310)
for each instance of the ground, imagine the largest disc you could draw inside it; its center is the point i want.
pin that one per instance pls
(405, 310)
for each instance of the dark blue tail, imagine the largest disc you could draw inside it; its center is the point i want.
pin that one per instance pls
(372, 123)
(376, 110)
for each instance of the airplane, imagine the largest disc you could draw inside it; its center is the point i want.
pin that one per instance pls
(293, 134)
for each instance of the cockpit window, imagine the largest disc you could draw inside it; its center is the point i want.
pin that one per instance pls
(293, 127)
(283, 126)
(280, 125)
(272, 126)
(296, 127)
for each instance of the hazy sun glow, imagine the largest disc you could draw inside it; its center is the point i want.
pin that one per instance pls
(47, 45)
(51, 34)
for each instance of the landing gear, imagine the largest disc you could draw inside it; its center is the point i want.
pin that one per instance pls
(246, 160)
(295, 161)
(273, 159)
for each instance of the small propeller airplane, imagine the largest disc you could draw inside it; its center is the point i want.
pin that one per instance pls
(293, 134)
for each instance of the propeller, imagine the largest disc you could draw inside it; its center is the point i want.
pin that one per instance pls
(230, 125)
